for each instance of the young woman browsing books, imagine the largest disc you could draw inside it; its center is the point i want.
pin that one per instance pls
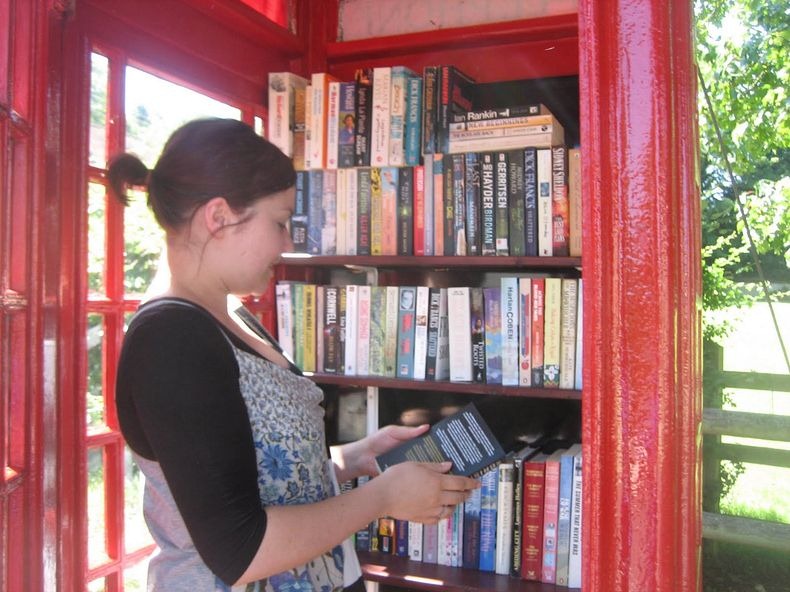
(230, 435)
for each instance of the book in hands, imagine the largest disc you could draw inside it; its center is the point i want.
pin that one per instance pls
(463, 438)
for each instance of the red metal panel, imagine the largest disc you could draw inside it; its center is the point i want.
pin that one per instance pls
(642, 284)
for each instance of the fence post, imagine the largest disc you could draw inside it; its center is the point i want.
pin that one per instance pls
(713, 365)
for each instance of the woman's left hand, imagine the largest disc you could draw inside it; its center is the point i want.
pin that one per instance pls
(359, 458)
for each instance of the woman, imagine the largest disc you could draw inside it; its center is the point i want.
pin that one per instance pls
(239, 485)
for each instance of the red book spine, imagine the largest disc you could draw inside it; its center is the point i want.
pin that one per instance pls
(532, 519)
(419, 211)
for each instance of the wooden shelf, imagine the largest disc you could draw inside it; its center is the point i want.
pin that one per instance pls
(415, 575)
(472, 388)
(458, 262)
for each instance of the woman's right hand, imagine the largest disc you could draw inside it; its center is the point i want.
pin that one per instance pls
(424, 492)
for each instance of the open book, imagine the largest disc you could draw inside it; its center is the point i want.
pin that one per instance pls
(463, 438)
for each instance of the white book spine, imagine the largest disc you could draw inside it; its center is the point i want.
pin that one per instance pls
(391, 331)
(397, 153)
(351, 201)
(509, 312)
(415, 540)
(443, 350)
(545, 244)
(329, 213)
(575, 555)
(285, 325)
(504, 518)
(460, 335)
(568, 333)
(577, 380)
(318, 121)
(281, 109)
(444, 542)
(332, 123)
(420, 333)
(380, 121)
(352, 317)
(308, 127)
(342, 211)
(552, 309)
(363, 331)
(524, 331)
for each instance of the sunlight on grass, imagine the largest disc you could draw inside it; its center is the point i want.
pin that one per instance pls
(761, 492)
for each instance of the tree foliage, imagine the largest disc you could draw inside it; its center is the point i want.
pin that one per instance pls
(742, 51)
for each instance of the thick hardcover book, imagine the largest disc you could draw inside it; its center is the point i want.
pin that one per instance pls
(509, 308)
(471, 533)
(315, 211)
(285, 327)
(488, 502)
(560, 215)
(463, 438)
(460, 337)
(538, 296)
(533, 482)
(331, 330)
(477, 321)
(564, 515)
(530, 202)
(389, 210)
(378, 314)
(413, 141)
(448, 205)
(502, 216)
(380, 116)
(488, 205)
(329, 213)
(429, 108)
(568, 332)
(362, 107)
(405, 214)
(545, 240)
(421, 332)
(472, 204)
(363, 331)
(299, 219)
(519, 458)
(492, 301)
(406, 320)
(552, 310)
(282, 107)
(459, 205)
(376, 211)
(524, 331)
(515, 199)
(455, 96)
(575, 202)
(551, 499)
(418, 223)
(504, 517)
(363, 211)
(346, 125)
(391, 331)
(575, 553)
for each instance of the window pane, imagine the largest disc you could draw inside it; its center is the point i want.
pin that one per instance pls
(134, 578)
(97, 540)
(97, 215)
(156, 107)
(97, 585)
(136, 531)
(95, 408)
(143, 245)
(98, 125)
(259, 126)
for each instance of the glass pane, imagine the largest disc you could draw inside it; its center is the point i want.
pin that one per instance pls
(97, 539)
(136, 531)
(99, 585)
(97, 215)
(134, 578)
(98, 125)
(259, 126)
(156, 107)
(143, 244)
(94, 405)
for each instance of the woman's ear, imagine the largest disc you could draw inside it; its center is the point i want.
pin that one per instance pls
(217, 214)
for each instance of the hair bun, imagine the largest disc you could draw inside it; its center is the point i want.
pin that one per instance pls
(125, 171)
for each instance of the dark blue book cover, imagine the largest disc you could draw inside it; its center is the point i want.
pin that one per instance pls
(531, 202)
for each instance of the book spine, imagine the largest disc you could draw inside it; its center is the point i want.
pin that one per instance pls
(309, 328)
(471, 531)
(515, 185)
(493, 330)
(552, 310)
(421, 333)
(457, 539)
(448, 208)
(488, 209)
(502, 216)
(444, 542)
(363, 331)
(362, 106)
(352, 220)
(476, 115)
(332, 123)
(430, 542)
(504, 518)
(575, 202)
(532, 520)
(299, 219)
(342, 328)
(318, 121)
(530, 202)
(378, 314)
(575, 553)
(569, 294)
(376, 211)
(389, 210)
(329, 213)
(459, 204)
(464, 123)
(545, 241)
(297, 291)
(524, 331)
(380, 116)
(460, 338)
(506, 141)
(434, 296)
(510, 314)
(428, 199)
(300, 127)
(488, 520)
(538, 298)
(455, 97)
(560, 215)
(386, 535)
(413, 142)
(564, 519)
(405, 214)
(415, 541)
(315, 211)
(282, 91)
(577, 379)
(518, 504)
(352, 318)
(550, 518)
(342, 199)
(319, 328)
(402, 538)
(429, 104)
(308, 127)
(285, 336)
(391, 331)
(438, 204)
(477, 321)
(406, 320)
(330, 333)
(398, 97)
(418, 224)
(443, 351)
(363, 211)
(346, 125)
(472, 205)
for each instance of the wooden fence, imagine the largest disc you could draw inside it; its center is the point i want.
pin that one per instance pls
(716, 423)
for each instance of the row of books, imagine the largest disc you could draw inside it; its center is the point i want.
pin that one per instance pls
(392, 116)
(526, 331)
(521, 202)
(524, 521)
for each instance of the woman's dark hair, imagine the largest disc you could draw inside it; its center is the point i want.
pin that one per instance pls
(203, 159)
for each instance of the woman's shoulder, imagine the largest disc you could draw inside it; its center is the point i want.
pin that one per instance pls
(175, 319)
